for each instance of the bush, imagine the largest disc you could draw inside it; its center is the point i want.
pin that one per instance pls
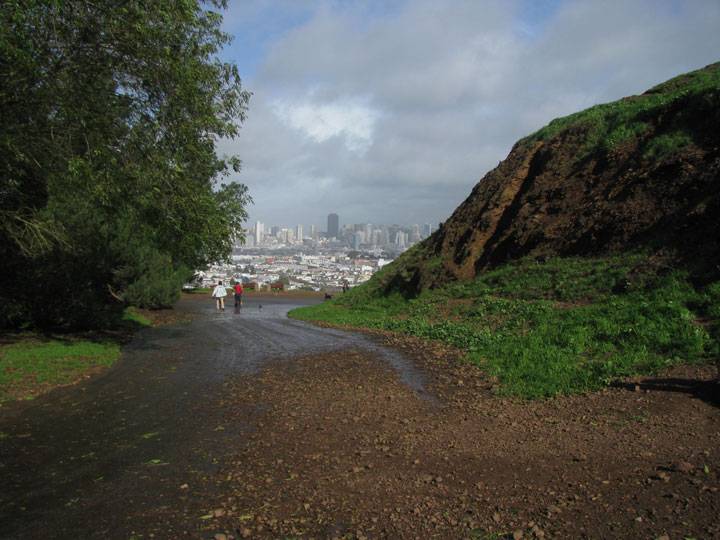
(158, 285)
(712, 293)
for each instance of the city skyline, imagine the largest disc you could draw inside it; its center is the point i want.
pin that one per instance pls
(358, 236)
(250, 226)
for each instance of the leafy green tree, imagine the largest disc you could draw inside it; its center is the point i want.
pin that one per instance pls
(110, 186)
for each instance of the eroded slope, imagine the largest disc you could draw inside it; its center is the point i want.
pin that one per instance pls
(639, 173)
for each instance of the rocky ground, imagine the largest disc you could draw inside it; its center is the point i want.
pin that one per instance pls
(246, 424)
(342, 449)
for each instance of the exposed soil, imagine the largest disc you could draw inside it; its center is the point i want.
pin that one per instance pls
(247, 424)
(568, 195)
(163, 317)
(345, 450)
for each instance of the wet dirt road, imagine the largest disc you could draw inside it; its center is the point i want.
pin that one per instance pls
(95, 460)
(251, 425)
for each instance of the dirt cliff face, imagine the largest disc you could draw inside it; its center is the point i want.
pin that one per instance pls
(640, 173)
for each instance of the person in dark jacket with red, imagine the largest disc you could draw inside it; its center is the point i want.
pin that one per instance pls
(238, 294)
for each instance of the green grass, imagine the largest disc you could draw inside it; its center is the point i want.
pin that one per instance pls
(667, 144)
(199, 290)
(29, 365)
(568, 325)
(132, 316)
(610, 125)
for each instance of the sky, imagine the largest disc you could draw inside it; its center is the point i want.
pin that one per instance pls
(390, 111)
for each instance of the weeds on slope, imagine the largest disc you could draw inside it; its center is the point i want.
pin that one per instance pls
(564, 326)
(610, 125)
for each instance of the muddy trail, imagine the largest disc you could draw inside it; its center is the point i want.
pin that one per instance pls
(250, 425)
(105, 458)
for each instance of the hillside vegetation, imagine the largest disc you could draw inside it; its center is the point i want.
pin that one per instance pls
(563, 326)
(641, 173)
(111, 190)
(590, 253)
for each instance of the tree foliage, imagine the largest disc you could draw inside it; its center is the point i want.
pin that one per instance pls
(111, 112)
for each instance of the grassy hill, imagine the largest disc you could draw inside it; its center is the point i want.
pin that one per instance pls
(638, 174)
(563, 326)
(591, 253)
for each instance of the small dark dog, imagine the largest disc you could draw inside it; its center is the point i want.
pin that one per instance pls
(328, 296)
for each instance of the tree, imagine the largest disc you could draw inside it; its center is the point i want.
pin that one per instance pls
(111, 112)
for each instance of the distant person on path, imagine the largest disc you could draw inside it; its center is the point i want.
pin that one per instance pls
(345, 286)
(219, 293)
(238, 294)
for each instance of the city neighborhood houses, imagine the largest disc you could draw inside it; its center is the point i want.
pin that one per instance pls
(316, 272)
(285, 258)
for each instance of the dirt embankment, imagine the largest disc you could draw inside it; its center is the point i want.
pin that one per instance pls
(344, 450)
(641, 173)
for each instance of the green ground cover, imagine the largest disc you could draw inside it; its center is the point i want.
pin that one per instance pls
(611, 124)
(133, 317)
(199, 290)
(31, 365)
(564, 326)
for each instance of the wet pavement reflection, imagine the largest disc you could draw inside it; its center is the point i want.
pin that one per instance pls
(81, 461)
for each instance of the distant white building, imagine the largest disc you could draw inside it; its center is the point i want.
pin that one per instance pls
(415, 234)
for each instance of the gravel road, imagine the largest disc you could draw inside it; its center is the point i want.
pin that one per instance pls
(251, 425)
(94, 459)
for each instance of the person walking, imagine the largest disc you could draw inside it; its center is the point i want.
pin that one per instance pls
(219, 293)
(238, 294)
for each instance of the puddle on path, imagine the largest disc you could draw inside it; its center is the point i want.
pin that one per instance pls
(245, 339)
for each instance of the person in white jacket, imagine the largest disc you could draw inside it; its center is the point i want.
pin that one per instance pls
(219, 293)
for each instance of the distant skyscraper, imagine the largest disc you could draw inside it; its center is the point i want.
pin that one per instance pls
(415, 234)
(384, 236)
(299, 233)
(259, 233)
(333, 225)
(313, 232)
(426, 230)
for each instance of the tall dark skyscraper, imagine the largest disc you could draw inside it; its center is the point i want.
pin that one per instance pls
(333, 227)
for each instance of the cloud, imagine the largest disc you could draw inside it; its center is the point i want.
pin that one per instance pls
(392, 114)
(349, 118)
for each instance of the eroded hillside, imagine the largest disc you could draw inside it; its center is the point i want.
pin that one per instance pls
(639, 173)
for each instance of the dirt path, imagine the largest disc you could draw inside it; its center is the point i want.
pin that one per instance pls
(252, 425)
